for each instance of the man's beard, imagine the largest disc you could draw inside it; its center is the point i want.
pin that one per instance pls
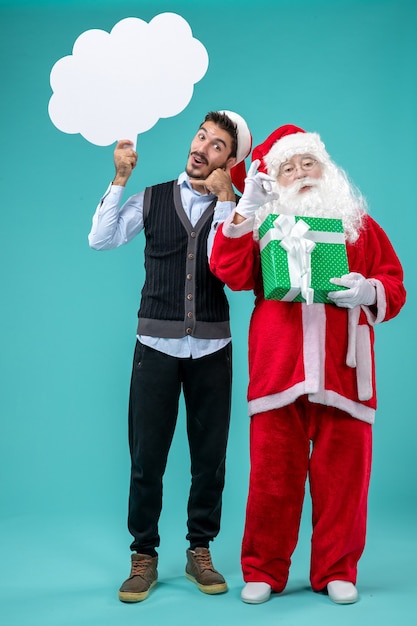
(332, 196)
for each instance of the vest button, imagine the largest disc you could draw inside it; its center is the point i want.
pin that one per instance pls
(193, 235)
(188, 331)
(189, 276)
(191, 256)
(189, 315)
(190, 296)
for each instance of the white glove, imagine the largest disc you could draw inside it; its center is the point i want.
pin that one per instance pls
(258, 190)
(359, 290)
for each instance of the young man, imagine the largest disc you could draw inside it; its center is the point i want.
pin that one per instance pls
(183, 340)
(311, 371)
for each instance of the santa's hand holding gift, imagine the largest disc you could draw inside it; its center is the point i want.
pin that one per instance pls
(311, 393)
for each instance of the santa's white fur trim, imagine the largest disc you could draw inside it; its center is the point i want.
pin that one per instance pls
(296, 143)
(244, 138)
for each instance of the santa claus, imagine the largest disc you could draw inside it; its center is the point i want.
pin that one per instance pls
(311, 391)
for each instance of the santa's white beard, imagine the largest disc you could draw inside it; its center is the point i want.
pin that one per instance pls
(329, 196)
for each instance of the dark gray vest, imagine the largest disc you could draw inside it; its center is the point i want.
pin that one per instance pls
(180, 295)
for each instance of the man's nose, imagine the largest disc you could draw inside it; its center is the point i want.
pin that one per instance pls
(203, 146)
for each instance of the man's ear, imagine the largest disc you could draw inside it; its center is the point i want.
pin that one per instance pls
(231, 162)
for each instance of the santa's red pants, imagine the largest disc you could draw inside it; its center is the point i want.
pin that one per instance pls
(338, 468)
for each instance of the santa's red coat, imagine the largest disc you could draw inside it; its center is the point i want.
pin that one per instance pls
(320, 350)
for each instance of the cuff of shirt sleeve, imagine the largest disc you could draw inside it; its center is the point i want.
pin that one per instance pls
(115, 191)
(223, 209)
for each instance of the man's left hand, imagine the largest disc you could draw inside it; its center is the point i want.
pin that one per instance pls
(218, 183)
(359, 291)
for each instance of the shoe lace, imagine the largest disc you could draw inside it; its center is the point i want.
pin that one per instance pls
(204, 560)
(139, 567)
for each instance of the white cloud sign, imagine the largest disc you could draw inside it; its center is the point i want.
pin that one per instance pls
(119, 84)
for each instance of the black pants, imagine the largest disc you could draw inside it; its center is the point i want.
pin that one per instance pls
(155, 389)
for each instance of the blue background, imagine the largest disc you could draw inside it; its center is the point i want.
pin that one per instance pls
(345, 69)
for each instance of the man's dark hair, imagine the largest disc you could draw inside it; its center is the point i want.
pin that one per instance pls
(225, 123)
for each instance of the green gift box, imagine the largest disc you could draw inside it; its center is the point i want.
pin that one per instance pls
(299, 255)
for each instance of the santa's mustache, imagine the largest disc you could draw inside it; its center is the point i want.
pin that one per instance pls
(302, 182)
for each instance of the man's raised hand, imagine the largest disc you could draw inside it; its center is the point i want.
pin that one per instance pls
(125, 159)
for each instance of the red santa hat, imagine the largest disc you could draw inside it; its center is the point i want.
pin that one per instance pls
(284, 143)
(244, 145)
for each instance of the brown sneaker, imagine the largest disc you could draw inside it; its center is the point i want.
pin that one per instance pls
(200, 570)
(143, 576)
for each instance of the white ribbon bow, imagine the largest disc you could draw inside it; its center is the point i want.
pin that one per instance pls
(299, 251)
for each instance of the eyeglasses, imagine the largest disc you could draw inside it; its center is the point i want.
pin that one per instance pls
(306, 164)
